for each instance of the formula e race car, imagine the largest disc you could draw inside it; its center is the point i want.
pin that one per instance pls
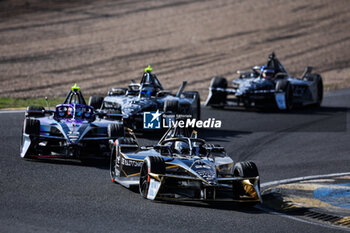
(148, 96)
(73, 130)
(268, 85)
(183, 167)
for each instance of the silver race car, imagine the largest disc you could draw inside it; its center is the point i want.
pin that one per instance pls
(183, 167)
(148, 96)
(268, 85)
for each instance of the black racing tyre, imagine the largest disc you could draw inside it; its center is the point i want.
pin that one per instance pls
(32, 127)
(218, 98)
(286, 87)
(115, 131)
(318, 79)
(281, 85)
(171, 106)
(153, 164)
(244, 169)
(319, 91)
(96, 101)
(196, 106)
(197, 112)
(218, 82)
(35, 111)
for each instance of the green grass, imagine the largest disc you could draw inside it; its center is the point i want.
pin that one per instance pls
(24, 102)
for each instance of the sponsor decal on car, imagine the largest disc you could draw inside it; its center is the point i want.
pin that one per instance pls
(131, 163)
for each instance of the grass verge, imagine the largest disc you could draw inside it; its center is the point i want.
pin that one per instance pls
(10, 103)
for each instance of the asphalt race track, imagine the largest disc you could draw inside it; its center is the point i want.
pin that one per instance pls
(64, 196)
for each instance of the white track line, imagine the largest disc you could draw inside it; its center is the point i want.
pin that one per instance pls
(285, 181)
(267, 184)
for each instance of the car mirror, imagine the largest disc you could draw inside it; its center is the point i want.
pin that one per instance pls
(164, 150)
(256, 68)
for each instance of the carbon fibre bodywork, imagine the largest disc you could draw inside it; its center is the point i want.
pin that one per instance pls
(205, 176)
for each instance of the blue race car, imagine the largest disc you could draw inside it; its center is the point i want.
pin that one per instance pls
(73, 130)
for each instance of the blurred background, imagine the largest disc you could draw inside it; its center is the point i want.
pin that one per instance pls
(47, 46)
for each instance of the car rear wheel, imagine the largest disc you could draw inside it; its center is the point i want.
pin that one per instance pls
(151, 164)
(218, 98)
(196, 106)
(96, 101)
(319, 82)
(115, 131)
(171, 106)
(319, 91)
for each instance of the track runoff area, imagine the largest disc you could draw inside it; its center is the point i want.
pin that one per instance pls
(319, 199)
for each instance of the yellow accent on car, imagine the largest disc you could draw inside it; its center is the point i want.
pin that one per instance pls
(249, 188)
(75, 88)
(148, 69)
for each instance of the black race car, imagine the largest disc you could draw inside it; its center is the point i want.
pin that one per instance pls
(73, 130)
(268, 85)
(183, 167)
(148, 96)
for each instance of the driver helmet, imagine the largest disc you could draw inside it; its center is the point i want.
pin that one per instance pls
(181, 148)
(147, 91)
(267, 73)
(70, 111)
